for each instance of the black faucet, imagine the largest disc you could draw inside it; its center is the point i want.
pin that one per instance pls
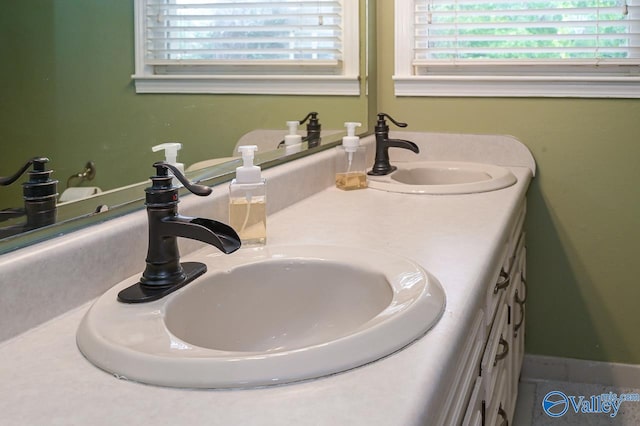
(381, 165)
(39, 193)
(313, 130)
(164, 273)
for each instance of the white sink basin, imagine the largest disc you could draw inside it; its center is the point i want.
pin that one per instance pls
(444, 177)
(266, 316)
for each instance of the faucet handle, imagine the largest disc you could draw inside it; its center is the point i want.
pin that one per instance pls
(383, 124)
(313, 119)
(38, 166)
(162, 170)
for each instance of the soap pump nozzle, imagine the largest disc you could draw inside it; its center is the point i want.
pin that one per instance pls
(170, 151)
(248, 172)
(171, 155)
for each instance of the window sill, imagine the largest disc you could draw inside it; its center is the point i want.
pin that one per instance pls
(249, 84)
(518, 86)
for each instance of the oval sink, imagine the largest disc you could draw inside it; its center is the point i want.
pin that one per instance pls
(444, 177)
(276, 307)
(264, 316)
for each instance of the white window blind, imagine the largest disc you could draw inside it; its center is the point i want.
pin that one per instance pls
(542, 41)
(243, 32)
(539, 32)
(200, 39)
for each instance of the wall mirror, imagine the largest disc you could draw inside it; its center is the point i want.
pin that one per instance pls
(70, 97)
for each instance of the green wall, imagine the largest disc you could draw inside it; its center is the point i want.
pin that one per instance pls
(67, 94)
(583, 226)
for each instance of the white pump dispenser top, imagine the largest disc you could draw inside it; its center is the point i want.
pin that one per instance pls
(171, 156)
(170, 152)
(248, 172)
(351, 141)
(293, 138)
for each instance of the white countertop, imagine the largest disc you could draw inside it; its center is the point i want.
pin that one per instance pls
(45, 380)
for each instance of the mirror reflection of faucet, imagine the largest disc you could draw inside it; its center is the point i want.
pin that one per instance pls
(39, 193)
(313, 138)
(381, 165)
(164, 273)
(313, 129)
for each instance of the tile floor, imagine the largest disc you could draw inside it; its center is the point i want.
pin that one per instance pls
(529, 410)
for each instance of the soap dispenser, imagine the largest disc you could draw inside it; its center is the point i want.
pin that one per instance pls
(350, 161)
(171, 157)
(292, 141)
(248, 200)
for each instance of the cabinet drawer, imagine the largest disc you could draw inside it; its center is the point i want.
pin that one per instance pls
(496, 352)
(504, 274)
(495, 291)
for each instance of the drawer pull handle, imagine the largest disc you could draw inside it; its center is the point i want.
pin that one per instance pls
(504, 353)
(526, 289)
(503, 414)
(503, 281)
(517, 326)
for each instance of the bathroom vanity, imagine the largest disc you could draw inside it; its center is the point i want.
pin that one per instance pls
(464, 368)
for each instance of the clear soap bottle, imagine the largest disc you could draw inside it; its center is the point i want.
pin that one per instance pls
(350, 161)
(248, 200)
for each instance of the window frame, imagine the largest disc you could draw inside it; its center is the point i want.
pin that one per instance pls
(237, 81)
(485, 83)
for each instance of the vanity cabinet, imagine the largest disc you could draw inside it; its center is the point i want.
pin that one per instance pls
(484, 388)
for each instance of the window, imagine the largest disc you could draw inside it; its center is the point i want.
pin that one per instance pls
(555, 48)
(241, 46)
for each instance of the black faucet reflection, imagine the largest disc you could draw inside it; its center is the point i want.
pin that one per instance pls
(381, 165)
(313, 130)
(39, 193)
(164, 273)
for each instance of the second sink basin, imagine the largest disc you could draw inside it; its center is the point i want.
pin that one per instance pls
(266, 316)
(444, 177)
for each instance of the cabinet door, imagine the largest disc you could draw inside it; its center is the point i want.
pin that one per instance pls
(518, 320)
(515, 320)
(466, 374)
(496, 414)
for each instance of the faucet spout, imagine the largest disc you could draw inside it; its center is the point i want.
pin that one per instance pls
(212, 232)
(401, 143)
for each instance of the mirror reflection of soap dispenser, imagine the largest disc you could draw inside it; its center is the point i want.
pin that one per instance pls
(292, 141)
(171, 156)
(351, 161)
(248, 200)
